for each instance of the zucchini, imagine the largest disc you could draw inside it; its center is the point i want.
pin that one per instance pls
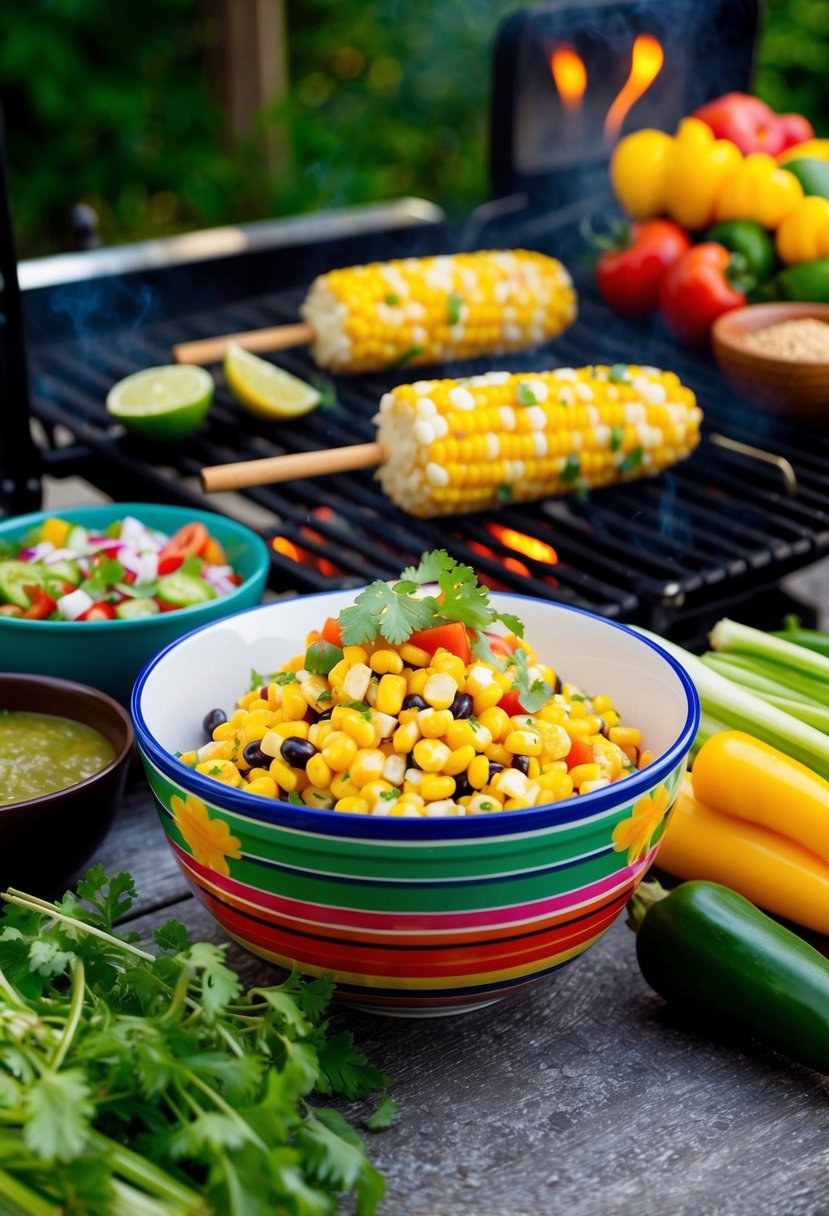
(706, 949)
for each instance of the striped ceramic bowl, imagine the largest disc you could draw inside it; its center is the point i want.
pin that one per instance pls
(413, 916)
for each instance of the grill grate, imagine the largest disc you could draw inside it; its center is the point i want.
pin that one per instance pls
(717, 527)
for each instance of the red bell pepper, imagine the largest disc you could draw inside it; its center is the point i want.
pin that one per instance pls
(41, 605)
(330, 632)
(580, 752)
(697, 289)
(752, 125)
(510, 703)
(453, 637)
(630, 272)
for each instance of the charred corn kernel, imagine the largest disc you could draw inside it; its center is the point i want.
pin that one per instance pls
(587, 787)
(496, 721)
(394, 769)
(485, 803)
(434, 723)
(221, 770)
(283, 775)
(440, 690)
(555, 786)
(488, 696)
(478, 772)
(451, 664)
(405, 737)
(499, 753)
(524, 743)
(265, 787)
(343, 787)
(352, 804)
(625, 736)
(459, 760)
(338, 673)
(580, 773)
(479, 676)
(417, 680)
(319, 798)
(359, 727)
(319, 772)
(338, 750)
(431, 754)
(367, 766)
(459, 733)
(413, 655)
(355, 655)
(386, 662)
(353, 687)
(372, 790)
(435, 786)
(390, 693)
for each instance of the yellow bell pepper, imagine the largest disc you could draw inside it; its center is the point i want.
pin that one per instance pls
(736, 774)
(639, 169)
(816, 149)
(759, 190)
(699, 166)
(765, 866)
(803, 234)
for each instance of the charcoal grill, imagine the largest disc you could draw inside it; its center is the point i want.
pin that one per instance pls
(714, 535)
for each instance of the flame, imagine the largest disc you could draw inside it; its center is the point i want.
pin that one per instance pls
(286, 548)
(645, 65)
(535, 549)
(570, 76)
(302, 557)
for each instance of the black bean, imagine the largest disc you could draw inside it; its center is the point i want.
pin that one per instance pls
(255, 757)
(297, 752)
(461, 707)
(494, 767)
(522, 763)
(212, 719)
(414, 701)
(325, 714)
(462, 786)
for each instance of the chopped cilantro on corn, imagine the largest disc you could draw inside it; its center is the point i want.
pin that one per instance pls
(426, 310)
(394, 730)
(469, 445)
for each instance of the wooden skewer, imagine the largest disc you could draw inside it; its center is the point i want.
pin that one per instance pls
(212, 350)
(271, 469)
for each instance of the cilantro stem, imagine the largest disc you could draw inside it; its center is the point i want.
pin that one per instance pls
(134, 1168)
(36, 905)
(219, 1101)
(76, 999)
(24, 1198)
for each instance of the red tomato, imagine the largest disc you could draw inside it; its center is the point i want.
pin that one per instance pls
(794, 129)
(453, 637)
(166, 565)
(580, 753)
(41, 606)
(629, 278)
(191, 538)
(510, 704)
(696, 290)
(330, 632)
(98, 612)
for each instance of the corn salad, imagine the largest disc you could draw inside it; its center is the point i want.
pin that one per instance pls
(394, 730)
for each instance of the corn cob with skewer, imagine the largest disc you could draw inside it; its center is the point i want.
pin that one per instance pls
(419, 310)
(449, 446)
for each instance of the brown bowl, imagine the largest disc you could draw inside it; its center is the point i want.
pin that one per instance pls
(44, 840)
(795, 388)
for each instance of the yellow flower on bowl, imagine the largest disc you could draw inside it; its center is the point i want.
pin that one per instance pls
(635, 834)
(209, 839)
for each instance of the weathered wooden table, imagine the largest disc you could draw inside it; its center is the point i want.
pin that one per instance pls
(583, 1096)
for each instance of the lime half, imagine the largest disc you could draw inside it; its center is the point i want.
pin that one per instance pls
(264, 389)
(164, 403)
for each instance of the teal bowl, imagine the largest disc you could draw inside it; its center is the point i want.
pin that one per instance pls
(108, 655)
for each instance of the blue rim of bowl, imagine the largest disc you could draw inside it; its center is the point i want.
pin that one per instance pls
(118, 510)
(368, 827)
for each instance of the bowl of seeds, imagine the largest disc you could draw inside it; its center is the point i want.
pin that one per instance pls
(777, 356)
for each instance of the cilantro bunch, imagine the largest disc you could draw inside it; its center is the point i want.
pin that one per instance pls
(395, 612)
(148, 1084)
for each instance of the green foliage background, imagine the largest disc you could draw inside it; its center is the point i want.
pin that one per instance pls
(109, 103)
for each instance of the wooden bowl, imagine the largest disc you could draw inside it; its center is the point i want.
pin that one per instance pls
(794, 388)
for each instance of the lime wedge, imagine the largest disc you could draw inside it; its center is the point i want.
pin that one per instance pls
(164, 403)
(264, 389)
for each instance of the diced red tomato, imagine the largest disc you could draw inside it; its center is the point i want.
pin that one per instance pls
(501, 645)
(166, 565)
(98, 612)
(510, 704)
(453, 637)
(580, 753)
(164, 606)
(191, 538)
(41, 606)
(330, 632)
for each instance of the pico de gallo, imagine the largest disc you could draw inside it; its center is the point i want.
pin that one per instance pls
(63, 571)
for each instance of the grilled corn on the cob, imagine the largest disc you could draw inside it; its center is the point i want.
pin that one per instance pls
(467, 445)
(424, 310)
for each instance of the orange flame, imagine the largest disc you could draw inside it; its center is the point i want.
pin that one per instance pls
(286, 548)
(535, 549)
(645, 65)
(570, 76)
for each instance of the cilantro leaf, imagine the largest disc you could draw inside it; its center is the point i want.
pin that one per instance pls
(429, 568)
(58, 1111)
(532, 694)
(380, 609)
(345, 1069)
(384, 1115)
(220, 985)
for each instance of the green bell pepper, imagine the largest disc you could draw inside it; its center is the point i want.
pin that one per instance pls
(812, 174)
(708, 950)
(807, 282)
(751, 241)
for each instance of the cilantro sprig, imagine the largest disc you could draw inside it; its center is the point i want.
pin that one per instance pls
(147, 1081)
(395, 612)
(532, 694)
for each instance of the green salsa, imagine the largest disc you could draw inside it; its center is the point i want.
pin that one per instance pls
(41, 753)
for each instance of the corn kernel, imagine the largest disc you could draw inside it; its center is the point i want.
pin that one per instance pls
(417, 680)
(499, 753)
(413, 655)
(367, 766)
(479, 676)
(496, 721)
(478, 772)
(319, 771)
(510, 783)
(360, 728)
(434, 787)
(488, 696)
(338, 673)
(394, 769)
(485, 803)
(386, 662)
(294, 702)
(254, 774)
(338, 750)
(625, 736)
(265, 787)
(645, 758)
(584, 772)
(459, 760)
(481, 737)
(354, 655)
(390, 692)
(283, 775)
(554, 787)
(602, 703)
(188, 758)
(555, 741)
(222, 770)
(343, 787)
(431, 754)
(440, 690)
(451, 664)
(459, 733)
(406, 736)
(434, 723)
(372, 790)
(321, 799)
(523, 743)
(352, 804)
(315, 692)
(587, 787)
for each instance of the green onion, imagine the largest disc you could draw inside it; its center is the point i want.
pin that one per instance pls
(732, 638)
